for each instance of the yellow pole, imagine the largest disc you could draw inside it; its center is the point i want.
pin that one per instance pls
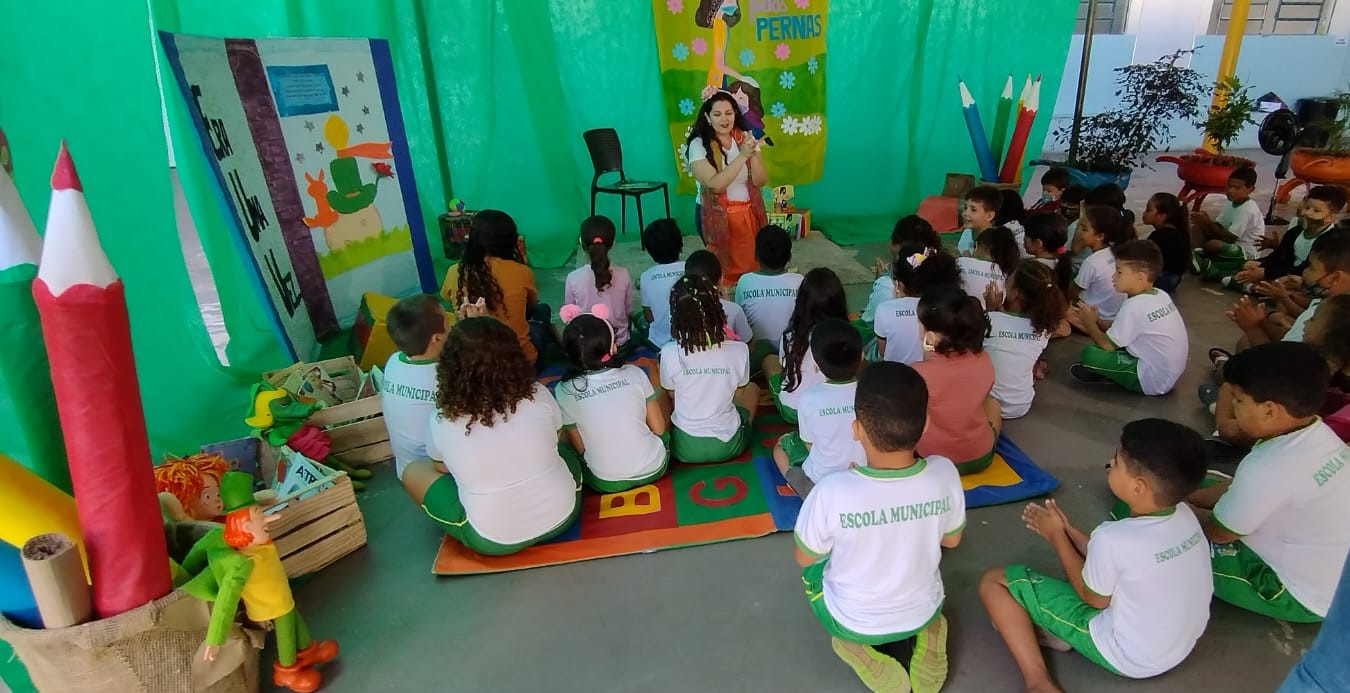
(1232, 45)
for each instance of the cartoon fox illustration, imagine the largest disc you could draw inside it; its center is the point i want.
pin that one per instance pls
(317, 189)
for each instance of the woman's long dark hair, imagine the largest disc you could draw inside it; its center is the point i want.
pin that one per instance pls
(703, 130)
(820, 296)
(493, 234)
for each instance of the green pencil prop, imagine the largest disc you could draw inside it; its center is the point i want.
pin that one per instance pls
(1005, 104)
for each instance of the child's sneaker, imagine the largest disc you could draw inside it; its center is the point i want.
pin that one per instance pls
(928, 668)
(881, 674)
(1199, 262)
(1087, 376)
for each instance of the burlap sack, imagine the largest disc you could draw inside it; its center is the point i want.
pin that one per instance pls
(150, 649)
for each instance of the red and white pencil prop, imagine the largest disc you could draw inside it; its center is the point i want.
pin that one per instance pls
(1012, 164)
(88, 336)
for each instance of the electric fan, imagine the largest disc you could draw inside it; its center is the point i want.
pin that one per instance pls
(1280, 133)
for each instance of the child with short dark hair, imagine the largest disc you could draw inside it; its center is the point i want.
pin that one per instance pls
(1023, 315)
(997, 253)
(824, 443)
(705, 264)
(917, 270)
(1053, 184)
(963, 420)
(1138, 590)
(1224, 245)
(1099, 229)
(1320, 209)
(977, 214)
(417, 325)
(709, 375)
(1011, 213)
(1045, 239)
(600, 282)
(1171, 233)
(1327, 274)
(664, 243)
(1145, 348)
(870, 539)
(768, 294)
(1071, 203)
(1281, 525)
(793, 370)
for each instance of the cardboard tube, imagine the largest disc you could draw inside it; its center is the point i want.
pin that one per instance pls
(56, 575)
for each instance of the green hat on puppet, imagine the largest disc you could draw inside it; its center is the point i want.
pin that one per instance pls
(236, 491)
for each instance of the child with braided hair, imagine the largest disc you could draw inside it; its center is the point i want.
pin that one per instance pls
(708, 372)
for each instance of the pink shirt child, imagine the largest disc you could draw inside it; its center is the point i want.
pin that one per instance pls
(957, 386)
(579, 290)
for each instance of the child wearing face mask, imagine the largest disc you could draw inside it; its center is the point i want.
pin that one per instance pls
(1321, 207)
(1327, 274)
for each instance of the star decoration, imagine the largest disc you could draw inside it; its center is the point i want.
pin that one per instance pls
(345, 91)
(360, 76)
(360, 128)
(299, 157)
(309, 125)
(365, 110)
(318, 147)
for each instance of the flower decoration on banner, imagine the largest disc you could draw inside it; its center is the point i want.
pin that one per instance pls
(790, 126)
(812, 65)
(787, 80)
(699, 45)
(677, 6)
(686, 106)
(810, 125)
(680, 52)
(382, 170)
(708, 91)
(747, 57)
(803, 4)
(778, 109)
(781, 51)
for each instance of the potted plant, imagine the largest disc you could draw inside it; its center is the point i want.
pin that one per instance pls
(1113, 143)
(1329, 164)
(1204, 169)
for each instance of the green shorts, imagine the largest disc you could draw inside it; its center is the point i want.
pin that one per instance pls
(794, 447)
(1244, 580)
(1226, 263)
(812, 577)
(976, 465)
(606, 486)
(758, 351)
(441, 503)
(775, 388)
(1054, 605)
(1118, 365)
(697, 449)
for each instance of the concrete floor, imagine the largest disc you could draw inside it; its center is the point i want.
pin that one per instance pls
(732, 617)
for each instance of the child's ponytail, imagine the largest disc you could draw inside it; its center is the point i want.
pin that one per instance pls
(1041, 301)
(1051, 230)
(597, 237)
(920, 268)
(1002, 246)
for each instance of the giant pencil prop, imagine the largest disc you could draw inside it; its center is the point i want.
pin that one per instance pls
(1012, 164)
(25, 378)
(84, 320)
(983, 156)
(1001, 117)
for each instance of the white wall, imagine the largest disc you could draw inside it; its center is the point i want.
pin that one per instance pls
(1292, 67)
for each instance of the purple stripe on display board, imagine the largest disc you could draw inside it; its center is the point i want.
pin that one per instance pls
(393, 118)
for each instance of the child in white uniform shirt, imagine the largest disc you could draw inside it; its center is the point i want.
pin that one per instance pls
(768, 295)
(917, 270)
(417, 326)
(610, 410)
(870, 539)
(825, 443)
(1099, 228)
(1022, 318)
(912, 230)
(1281, 525)
(705, 264)
(663, 242)
(1225, 244)
(997, 253)
(1138, 590)
(1145, 348)
(793, 370)
(498, 480)
(709, 375)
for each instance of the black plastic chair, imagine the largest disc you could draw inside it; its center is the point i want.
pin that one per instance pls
(607, 157)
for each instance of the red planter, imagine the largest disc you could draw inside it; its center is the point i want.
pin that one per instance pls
(1203, 170)
(1312, 166)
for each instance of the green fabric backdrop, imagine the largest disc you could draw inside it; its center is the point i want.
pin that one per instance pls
(495, 96)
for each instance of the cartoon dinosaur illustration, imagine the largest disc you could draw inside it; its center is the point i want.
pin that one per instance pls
(318, 190)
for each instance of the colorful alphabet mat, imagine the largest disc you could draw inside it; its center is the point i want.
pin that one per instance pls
(707, 503)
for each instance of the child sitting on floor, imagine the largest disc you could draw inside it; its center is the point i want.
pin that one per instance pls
(910, 230)
(1320, 209)
(417, 326)
(1145, 349)
(768, 294)
(1099, 229)
(493, 270)
(601, 283)
(704, 264)
(1044, 240)
(1171, 233)
(963, 420)
(825, 443)
(1011, 214)
(498, 480)
(997, 253)
(1138, 590)
(1053, 184)
(1023, 315)
(1280, 527)
(709, 375)
(664, 243)
(610, 410)
(794, 369)
(917, 270)
(977, 214)
(1224, 245)
(870, 539)
(1327, 274)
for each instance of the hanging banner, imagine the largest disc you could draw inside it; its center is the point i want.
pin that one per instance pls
(769, 54)
(306, 139)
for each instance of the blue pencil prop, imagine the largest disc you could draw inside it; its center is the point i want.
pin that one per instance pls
(983, 155)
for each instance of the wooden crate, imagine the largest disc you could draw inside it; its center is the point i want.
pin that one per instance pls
(356, 427)
(315, 532)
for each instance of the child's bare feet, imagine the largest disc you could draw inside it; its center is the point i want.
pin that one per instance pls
(1041, 368)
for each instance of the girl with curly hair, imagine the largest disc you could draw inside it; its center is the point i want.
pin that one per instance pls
(1023, 315)
(709, 373)
(917, 269)
(497, 481)
(820, 296)
(963, 420)
(493, 270)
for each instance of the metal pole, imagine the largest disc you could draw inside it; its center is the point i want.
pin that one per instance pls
(1082, 79)
(1232, 45)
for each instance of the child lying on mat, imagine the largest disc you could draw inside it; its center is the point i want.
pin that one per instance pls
(709, 374)
(870, 539)
(610, 410)
(793, 370)
(498, 480)
(1280, 526)
(963, 420)
(1138, 591)
(825, 443)
(417, 325)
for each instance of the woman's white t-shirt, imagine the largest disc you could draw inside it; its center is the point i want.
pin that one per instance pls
(705, 384)
(609, 410)
(1095, 279)
(898, 323)
(977, 274)
(513, 484)
(810, 374)
(1014, 347)
(737, 190)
